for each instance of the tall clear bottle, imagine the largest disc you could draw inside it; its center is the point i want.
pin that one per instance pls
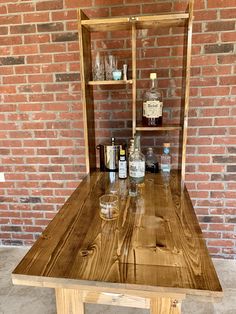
(166, 158)
(136, 167)
(152, 104)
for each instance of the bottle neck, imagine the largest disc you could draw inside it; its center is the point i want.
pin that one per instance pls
(153, 83)
(166, 150)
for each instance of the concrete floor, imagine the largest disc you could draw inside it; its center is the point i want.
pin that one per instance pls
(30, 300)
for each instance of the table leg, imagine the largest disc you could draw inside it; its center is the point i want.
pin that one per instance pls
(162, 305)
(69, 301)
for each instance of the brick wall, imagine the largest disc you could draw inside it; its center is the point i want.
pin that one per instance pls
(41, 127)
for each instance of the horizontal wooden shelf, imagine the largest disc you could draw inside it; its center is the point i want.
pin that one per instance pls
(159, 128)
(112, 82)
(141, 22)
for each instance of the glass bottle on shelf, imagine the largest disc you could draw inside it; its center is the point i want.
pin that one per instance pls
(166, 158)
(151, 161)
(152, 104)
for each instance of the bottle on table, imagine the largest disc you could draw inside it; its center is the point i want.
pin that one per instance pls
(152, 104)
(136, 167)
(122, 165)
(166, 158)
(151, 161)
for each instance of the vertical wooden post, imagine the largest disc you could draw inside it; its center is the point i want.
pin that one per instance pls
(187, 88)
(134, 75)
(87, 93)
(69, 301)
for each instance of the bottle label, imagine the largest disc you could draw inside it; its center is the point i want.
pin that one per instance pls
(122, 169)
(152, 109)
(137, 169)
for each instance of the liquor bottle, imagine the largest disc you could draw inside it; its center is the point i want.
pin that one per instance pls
(122, 165)
(151, 161)
(137, 163)
(166, 158)
(152, 104)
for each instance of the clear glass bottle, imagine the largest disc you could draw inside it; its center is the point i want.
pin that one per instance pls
(136, 167)
(166, 158)
(151, 161)
(152, 104)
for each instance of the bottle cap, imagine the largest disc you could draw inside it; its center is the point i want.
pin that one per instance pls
(166, 144)
(122, 152)
(150, 149)
(153, 76)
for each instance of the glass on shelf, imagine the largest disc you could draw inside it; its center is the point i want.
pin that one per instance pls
(110, 66)
(99, 68)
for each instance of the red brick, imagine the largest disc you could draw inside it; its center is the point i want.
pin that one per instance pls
(224, 243)
(205, 38)
(216, 70)
(10, 19)
(39, 59)
(203, 60)
(225, 121)
(153, 8)
(211, 168)
(221, 3)
(125, 10)
(3, 9)
(39, 78)
(11, 40)
(228, 80)
(228, 37)
(49, 5)
(20, 7)
(88, 3)
(219, 91)
(220, 26)
(27, 69)
(36, 17)
(64, 15)
(228, 13)
(26, 50)
(46, 48)
(32, 39)
(205, 15)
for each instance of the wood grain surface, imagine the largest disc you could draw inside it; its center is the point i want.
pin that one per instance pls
(155, 243)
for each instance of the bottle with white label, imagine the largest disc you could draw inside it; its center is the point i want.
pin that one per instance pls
(137, 166)
(122, 165)
(166, 158)
(152, 104)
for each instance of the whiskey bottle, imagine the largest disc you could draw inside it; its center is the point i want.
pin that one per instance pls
(152, 104)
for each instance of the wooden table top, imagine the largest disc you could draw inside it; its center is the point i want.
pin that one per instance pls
(155, 244)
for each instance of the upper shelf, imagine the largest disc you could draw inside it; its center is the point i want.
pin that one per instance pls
(112, 82)
(140, 22)
(159, 128)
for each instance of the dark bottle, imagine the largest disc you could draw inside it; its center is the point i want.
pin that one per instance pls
(151, 161)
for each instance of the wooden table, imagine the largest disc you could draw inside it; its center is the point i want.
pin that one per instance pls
(152, 256)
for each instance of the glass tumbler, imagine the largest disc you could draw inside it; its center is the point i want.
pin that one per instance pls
(109, 206)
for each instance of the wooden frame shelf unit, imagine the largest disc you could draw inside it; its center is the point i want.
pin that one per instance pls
(133, 23)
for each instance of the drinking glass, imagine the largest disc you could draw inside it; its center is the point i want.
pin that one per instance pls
(98, 68)
(110, 66)
(109, 206)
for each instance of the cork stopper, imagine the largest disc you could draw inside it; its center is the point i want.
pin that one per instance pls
(153, 76)
(166, 144)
